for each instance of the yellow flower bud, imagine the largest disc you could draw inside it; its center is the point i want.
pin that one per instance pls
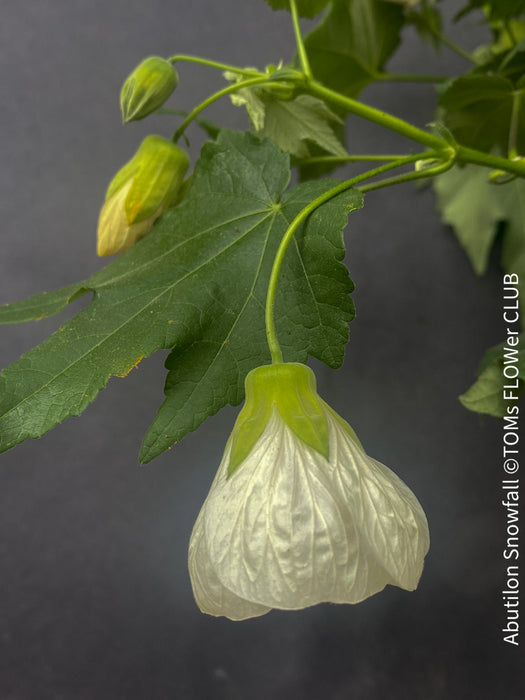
(138, 194)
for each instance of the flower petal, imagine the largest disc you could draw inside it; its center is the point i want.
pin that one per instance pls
(280, 534)
(211, 596)
(387, 515)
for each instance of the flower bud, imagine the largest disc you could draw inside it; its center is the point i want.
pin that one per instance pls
(147, 88)
(138, 194)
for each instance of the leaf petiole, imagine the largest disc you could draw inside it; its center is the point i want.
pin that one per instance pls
(271, 336)
(452, 45)
(409, 177)
(179, 58)
(514, 123)
(372, 158)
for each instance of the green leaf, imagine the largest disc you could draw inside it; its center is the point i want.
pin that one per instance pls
(353, 42)
(486, 395)
(41, 305)
(478, 111)
(428, 23)
(495, 9)
(210, 372)
(197, 284)
(507, 38)
(512, 65)
(472, 206)
(475, 208)
(313, 171)
(305, 8)
(291, 123)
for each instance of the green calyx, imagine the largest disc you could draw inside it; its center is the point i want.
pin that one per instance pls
(157, 170)
(289, 389)
(147, 88)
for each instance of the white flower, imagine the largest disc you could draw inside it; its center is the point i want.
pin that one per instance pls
(298, 514)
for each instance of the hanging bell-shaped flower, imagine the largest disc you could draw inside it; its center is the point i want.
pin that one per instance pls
(298, 513)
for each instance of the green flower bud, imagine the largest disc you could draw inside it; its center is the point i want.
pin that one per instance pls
(147, 88)
(138, 194)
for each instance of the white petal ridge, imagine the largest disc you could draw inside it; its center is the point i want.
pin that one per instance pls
(290, 528)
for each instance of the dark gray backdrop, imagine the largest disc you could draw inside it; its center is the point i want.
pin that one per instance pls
(95, 599)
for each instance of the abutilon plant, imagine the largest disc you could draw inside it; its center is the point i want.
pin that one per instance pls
(215, 267)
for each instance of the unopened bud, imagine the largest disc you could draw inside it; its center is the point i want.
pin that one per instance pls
(147, 88)
(138, 194)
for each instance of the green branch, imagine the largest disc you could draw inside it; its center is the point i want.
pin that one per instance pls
(455, 47)
(388, 121)
(375, 115)
(179, 58)
(303, 57)
(372, 158)
(409, 177)
(469, 155)
(512, 151)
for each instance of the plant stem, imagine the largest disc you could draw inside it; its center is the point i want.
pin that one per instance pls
(514, 123)
(305, 64)
(375, 115)
(253, 72)
(213, 98)
(455, 47)
(350, 159)
(464, 154)
(273, 343)
(469, 155)
(408, 177)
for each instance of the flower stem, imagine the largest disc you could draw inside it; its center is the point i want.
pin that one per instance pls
(179, 58)
(303, 57)
(408, 177)
(455, 47)
(372, 158)
(273, 343)
(213, 98)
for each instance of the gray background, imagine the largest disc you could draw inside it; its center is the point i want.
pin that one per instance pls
(95, 599)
